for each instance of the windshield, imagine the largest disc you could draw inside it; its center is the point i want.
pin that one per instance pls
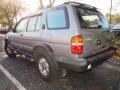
(91, 19)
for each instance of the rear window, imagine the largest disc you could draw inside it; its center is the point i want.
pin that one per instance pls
(91, 19)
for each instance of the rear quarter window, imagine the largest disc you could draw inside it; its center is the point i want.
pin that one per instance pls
(57, 19)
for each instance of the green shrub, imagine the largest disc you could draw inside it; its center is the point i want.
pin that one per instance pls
(117, 43)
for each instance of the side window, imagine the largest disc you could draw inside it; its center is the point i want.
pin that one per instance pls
(39, 23)
(21, 26)
(32, 23)
(57, 19)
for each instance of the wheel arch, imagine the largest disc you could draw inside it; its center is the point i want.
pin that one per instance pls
(46, 49)
(43, 47)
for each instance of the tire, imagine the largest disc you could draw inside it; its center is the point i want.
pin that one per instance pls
(117, 85)
(9, 51)
(46, 65)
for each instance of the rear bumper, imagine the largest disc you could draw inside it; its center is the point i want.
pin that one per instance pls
(81, 65)
(100, 57)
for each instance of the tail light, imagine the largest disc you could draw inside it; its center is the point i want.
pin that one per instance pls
(77, 44)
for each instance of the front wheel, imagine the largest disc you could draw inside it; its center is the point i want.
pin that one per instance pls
(9, 51)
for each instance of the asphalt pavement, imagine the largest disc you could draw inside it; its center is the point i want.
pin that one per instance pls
(5, 83)
(103, 77)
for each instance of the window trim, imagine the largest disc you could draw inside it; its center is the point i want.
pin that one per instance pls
(66, 18)
(40, 15)
(36, 15)
(27, 29)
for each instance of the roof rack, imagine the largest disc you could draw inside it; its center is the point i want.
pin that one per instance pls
(82, 4)
(72, 3)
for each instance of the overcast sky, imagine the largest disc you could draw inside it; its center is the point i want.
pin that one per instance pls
(103, 5)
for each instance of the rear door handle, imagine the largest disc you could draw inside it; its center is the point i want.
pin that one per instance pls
(43, 26)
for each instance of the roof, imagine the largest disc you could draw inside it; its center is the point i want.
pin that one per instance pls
(77, 4)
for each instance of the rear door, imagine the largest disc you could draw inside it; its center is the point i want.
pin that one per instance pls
(57, 33)
(94, 28)
(33, 33)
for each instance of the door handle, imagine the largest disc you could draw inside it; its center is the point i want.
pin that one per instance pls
(43, 26)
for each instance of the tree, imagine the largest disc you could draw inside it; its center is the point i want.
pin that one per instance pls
(50, 4)
(115, 17)
(9, 10)
(3, 21)
(112, 15)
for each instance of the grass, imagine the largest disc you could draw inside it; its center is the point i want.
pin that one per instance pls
(117, 43)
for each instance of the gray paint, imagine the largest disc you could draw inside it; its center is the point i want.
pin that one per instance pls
(60, 40)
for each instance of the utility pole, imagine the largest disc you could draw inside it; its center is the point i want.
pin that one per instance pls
(111, 11)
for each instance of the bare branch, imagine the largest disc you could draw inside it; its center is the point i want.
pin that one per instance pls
(41, 4)
(10, 9)
(51, 2)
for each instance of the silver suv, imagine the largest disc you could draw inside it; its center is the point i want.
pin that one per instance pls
(71, 36)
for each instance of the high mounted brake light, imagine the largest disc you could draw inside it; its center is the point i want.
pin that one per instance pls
(77, 44)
